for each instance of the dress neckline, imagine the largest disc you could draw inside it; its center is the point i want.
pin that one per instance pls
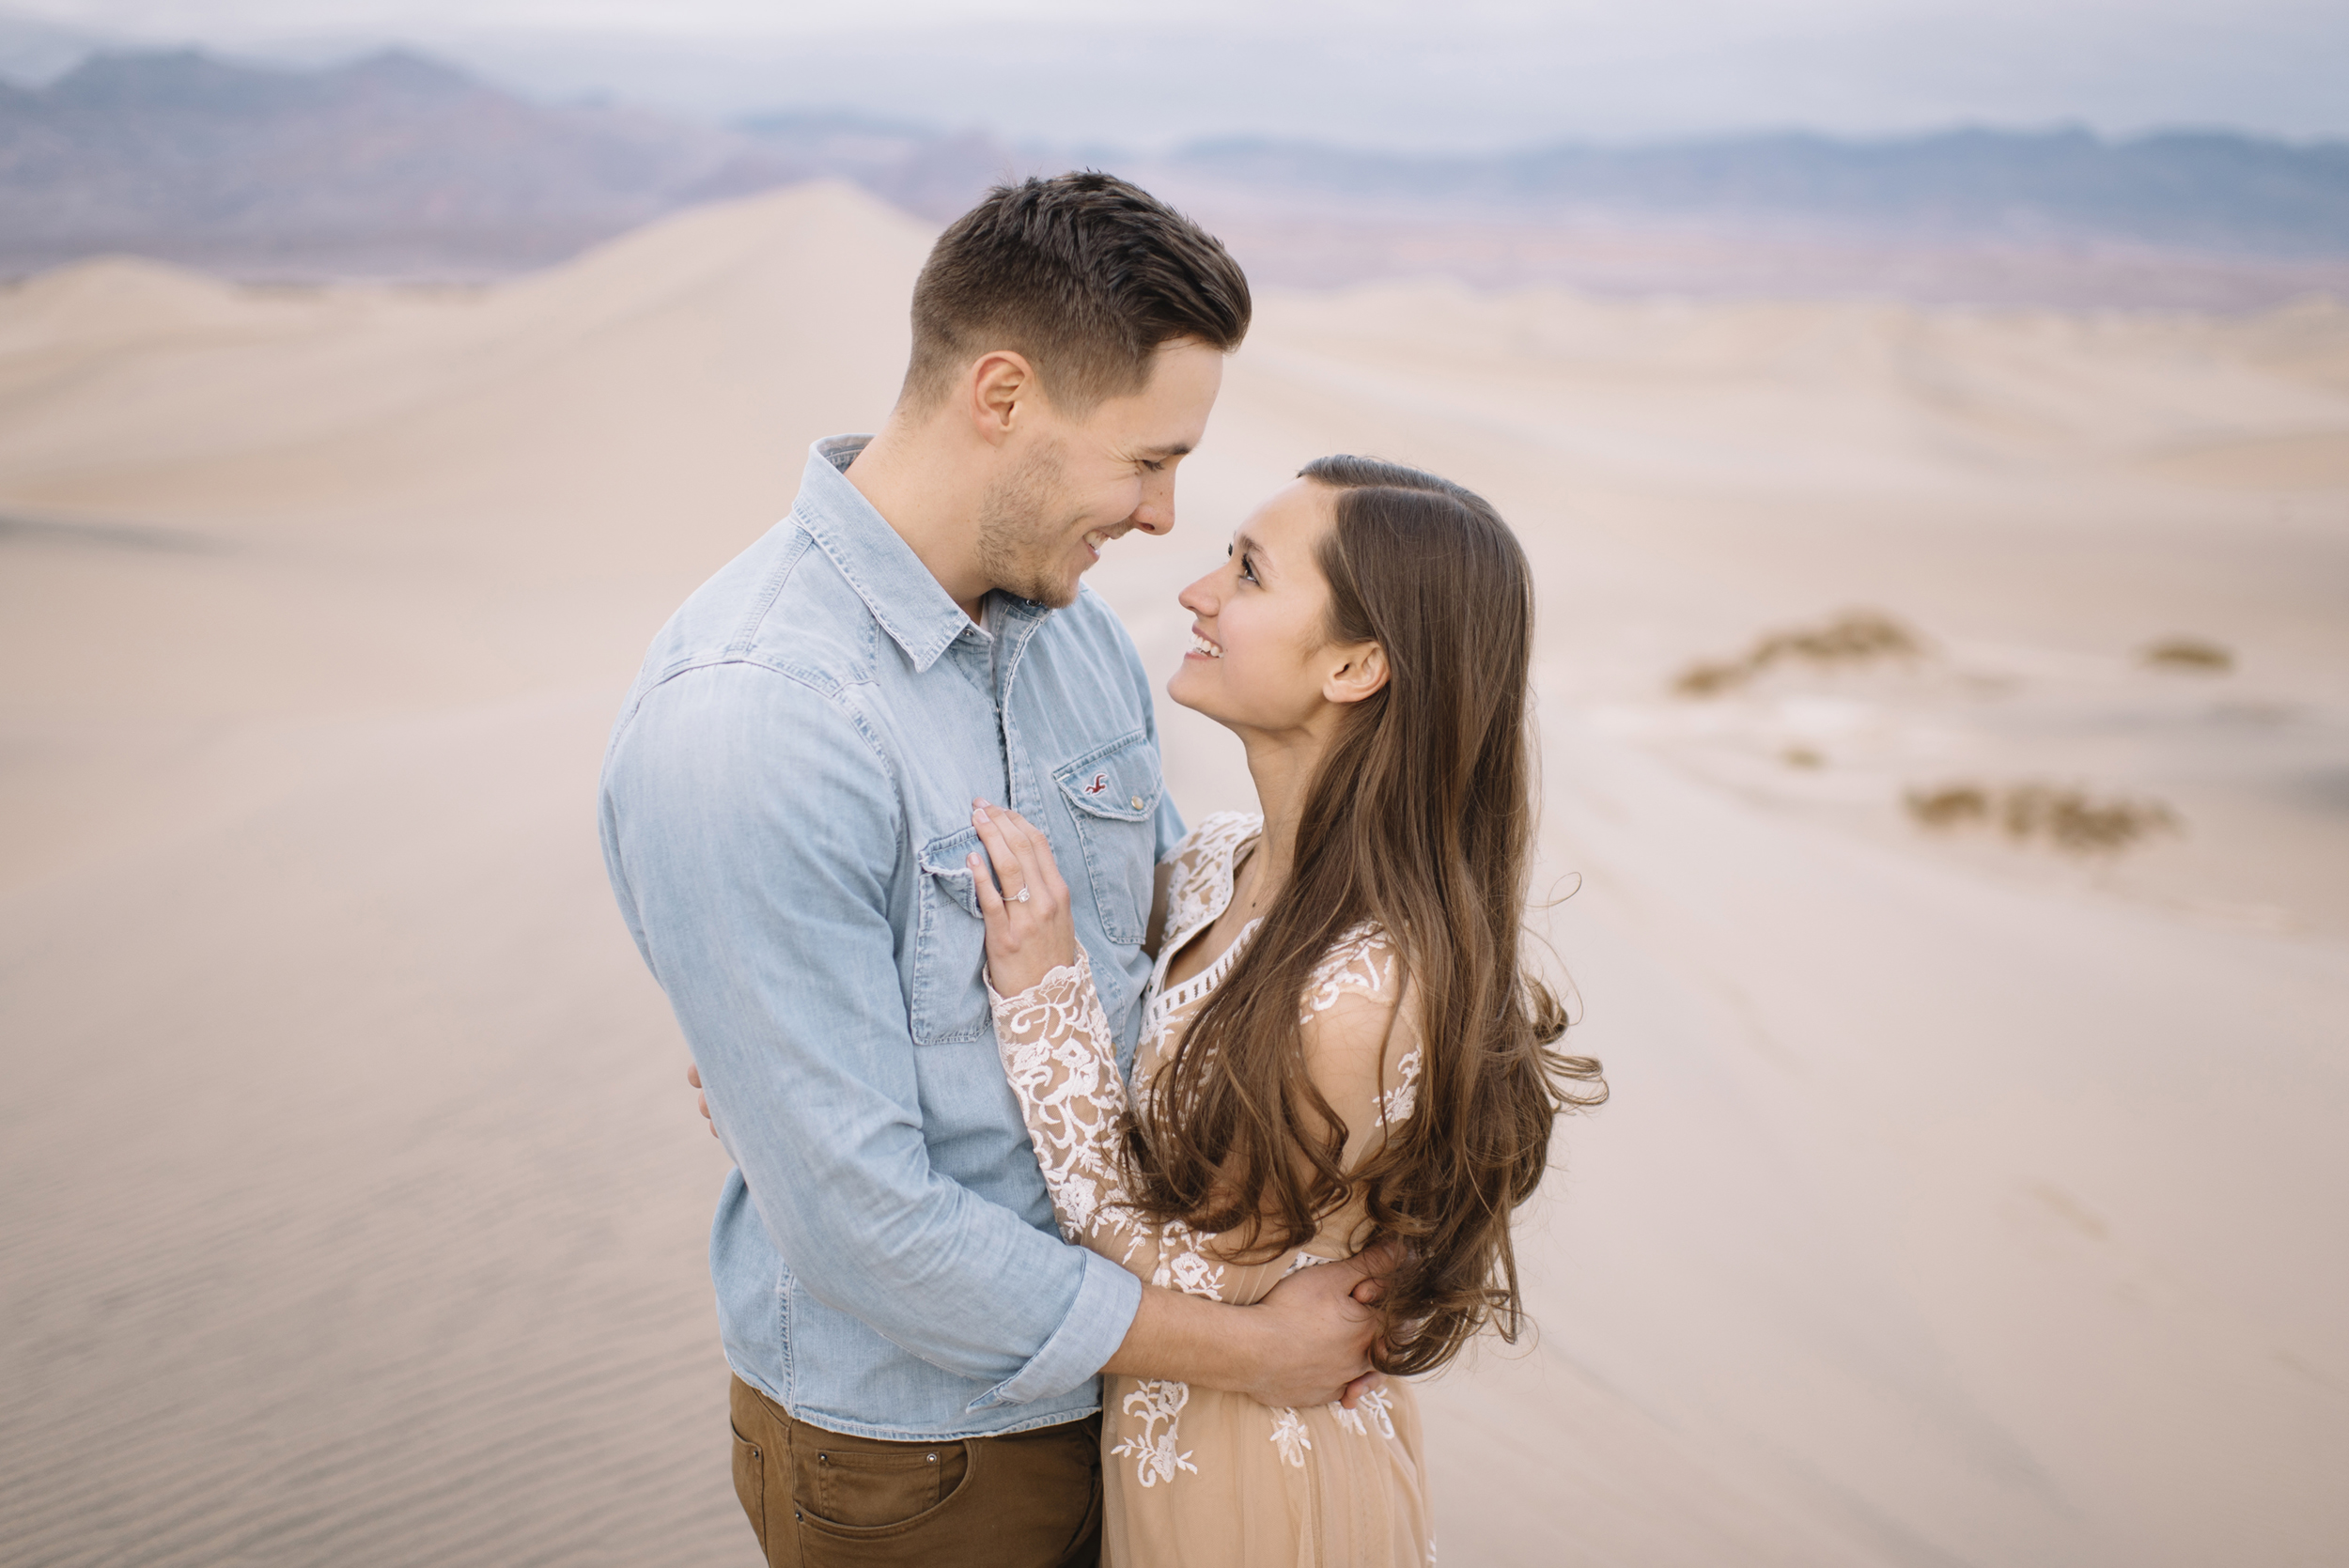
(1160, 1002)
(1164, 1002)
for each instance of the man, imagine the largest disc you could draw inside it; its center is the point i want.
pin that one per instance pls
(786, 816)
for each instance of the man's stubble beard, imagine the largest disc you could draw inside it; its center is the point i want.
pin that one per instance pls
(1023, 541)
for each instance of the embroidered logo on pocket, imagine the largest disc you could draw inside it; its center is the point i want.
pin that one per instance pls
(1100, 781)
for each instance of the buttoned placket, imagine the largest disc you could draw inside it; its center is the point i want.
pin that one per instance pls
(1020, 621)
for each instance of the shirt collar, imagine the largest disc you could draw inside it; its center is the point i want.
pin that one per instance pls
(909, 603)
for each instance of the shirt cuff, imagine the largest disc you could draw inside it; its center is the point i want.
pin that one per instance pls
(1107, 1299)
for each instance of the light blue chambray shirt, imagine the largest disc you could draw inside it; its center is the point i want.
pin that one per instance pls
(786, 809)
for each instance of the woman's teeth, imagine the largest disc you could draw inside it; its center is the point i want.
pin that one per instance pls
(1200, 644)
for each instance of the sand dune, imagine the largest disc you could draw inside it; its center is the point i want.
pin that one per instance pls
(1961, 1201)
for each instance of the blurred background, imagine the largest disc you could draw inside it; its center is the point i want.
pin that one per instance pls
(1930, 423)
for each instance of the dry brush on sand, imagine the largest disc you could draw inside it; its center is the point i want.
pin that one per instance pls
(2067, 818)
(1853, 639)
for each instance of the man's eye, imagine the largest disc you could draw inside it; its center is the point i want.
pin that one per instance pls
(1154, 465)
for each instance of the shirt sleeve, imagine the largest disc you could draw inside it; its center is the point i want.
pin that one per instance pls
(751, 831)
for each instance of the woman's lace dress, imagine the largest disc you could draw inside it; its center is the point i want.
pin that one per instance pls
(1199, 1476)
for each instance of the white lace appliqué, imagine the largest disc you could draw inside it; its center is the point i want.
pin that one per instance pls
(1361, 960)
(1290, 1437)
(1397, 1103)
(1183, 1265)
(1376, 1409)
(1154, 1452)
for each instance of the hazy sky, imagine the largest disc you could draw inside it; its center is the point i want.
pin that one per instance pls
(1462, 73)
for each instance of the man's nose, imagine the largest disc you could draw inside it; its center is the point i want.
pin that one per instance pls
(1156, 514)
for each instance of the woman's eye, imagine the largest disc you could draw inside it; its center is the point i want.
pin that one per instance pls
(1247, 569)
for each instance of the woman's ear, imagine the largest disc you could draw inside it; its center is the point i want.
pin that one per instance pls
(1363, 675)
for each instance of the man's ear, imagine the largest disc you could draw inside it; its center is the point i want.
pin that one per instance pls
(998, 384)
(1363, 675)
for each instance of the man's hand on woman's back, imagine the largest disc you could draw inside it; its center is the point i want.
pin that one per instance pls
(1326, 1322)
(1308, 1342)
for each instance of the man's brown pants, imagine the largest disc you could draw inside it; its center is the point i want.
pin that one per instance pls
(819, 1499)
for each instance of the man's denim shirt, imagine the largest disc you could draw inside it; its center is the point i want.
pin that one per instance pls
(786, 809)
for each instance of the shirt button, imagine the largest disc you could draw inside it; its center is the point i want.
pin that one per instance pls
(1137, 803)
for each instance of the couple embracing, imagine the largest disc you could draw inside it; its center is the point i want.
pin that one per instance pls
(1044, 1110)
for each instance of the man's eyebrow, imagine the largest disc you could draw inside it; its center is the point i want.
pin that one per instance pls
(1181, 449)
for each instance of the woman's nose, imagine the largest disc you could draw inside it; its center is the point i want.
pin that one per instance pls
(1199, 599)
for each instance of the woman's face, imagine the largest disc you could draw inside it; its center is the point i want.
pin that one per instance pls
(1260, 658)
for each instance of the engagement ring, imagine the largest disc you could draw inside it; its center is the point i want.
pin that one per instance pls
(1020, 897)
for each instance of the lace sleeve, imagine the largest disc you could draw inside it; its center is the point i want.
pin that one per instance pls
(1062, 1061)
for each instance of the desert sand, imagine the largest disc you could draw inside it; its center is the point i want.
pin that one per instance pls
(1962, 1200)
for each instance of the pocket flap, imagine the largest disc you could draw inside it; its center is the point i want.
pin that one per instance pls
(945, 858)
(1119, 781)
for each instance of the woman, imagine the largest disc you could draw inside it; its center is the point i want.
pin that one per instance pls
(1338, 1043)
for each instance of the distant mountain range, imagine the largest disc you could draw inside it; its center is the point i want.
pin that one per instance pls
(399, 165)
(394, 165)
(2204, 190)
(394, 159)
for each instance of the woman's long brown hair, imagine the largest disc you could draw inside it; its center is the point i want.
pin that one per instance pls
(1420, 819)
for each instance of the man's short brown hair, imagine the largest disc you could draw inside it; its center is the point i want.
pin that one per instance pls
(1085, 275)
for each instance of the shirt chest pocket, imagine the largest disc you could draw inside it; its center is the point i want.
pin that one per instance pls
(1113, 794)
(949, 1000)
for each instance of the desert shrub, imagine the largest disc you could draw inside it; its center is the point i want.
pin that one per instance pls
(1950, 805)
(2068, 819)
(1703, 681)
(1855, 637)
(2189, 653)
